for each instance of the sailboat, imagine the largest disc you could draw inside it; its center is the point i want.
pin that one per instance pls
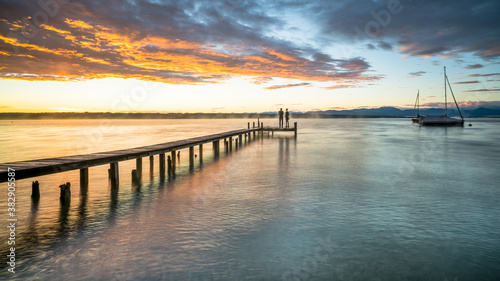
(443, 120)
(417, 107)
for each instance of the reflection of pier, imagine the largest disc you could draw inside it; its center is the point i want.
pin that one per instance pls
(33, 168)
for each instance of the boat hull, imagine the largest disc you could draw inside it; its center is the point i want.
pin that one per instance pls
(441, 121)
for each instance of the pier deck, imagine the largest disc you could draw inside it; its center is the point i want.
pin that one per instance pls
(40, 167)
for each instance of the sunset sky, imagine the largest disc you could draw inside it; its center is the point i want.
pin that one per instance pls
(245, 56)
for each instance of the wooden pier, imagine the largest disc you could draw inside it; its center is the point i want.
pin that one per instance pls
(34, 168)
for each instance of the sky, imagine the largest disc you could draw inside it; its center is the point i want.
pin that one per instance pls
(245, 56)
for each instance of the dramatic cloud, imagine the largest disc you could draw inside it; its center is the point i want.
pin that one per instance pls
(286, 86)
(474, 66)
(467, 82)
(416, 74)
(483, 90)
(385, 46)
(465, 104)
(419, 28)
(484, 75)
(186, 42)
(341, 86)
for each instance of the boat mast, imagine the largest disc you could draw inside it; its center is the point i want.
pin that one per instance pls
(415, 106)
(445, 100)
(418, 103)
(453, 95)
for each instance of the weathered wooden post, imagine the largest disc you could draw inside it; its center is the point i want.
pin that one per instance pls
(65, 195)
(295, 128)
(253, 125)
(35, 191)
(84, 180)
(162, 164)
(135, 177)
(113, 173)
(138, 167)
(241, 139)
(173, 160)
(249, 125)
(262, 125)
(151, 164)
(200, 151)
(169, 165)
(191, 157)
(230, 143)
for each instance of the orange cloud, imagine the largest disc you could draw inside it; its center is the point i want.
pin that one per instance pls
(77, 49)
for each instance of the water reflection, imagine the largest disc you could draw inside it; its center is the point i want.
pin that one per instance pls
(82, 208)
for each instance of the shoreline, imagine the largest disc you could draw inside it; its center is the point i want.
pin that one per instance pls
(107, 115)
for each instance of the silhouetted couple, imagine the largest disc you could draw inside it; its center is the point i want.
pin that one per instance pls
(287, 117)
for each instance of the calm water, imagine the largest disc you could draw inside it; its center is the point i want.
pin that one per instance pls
(350, 199)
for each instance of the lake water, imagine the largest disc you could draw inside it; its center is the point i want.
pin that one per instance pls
(349, 199)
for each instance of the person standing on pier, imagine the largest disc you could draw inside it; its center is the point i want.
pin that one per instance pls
(280, 114)
(287, 118)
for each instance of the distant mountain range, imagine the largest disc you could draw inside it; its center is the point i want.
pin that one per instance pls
(352, 113)
(396, 112)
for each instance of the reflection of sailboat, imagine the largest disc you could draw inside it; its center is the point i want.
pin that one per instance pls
(444, 120)
(417, 107)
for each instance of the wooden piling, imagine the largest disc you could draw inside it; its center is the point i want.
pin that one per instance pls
(200, 151)
(230, 143)
(114, 175)
(65, 195)
(84, 177)
(241, 139)
(295, 128)
(151, 164)
(169, 165)
(173, 160)
(191, 156)
(135, 176)
(35, 191)
(162, 164)
(138, 167)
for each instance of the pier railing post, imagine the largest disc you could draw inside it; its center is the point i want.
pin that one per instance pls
(249, 125)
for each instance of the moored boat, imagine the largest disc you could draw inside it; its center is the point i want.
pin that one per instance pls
(443, 120)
